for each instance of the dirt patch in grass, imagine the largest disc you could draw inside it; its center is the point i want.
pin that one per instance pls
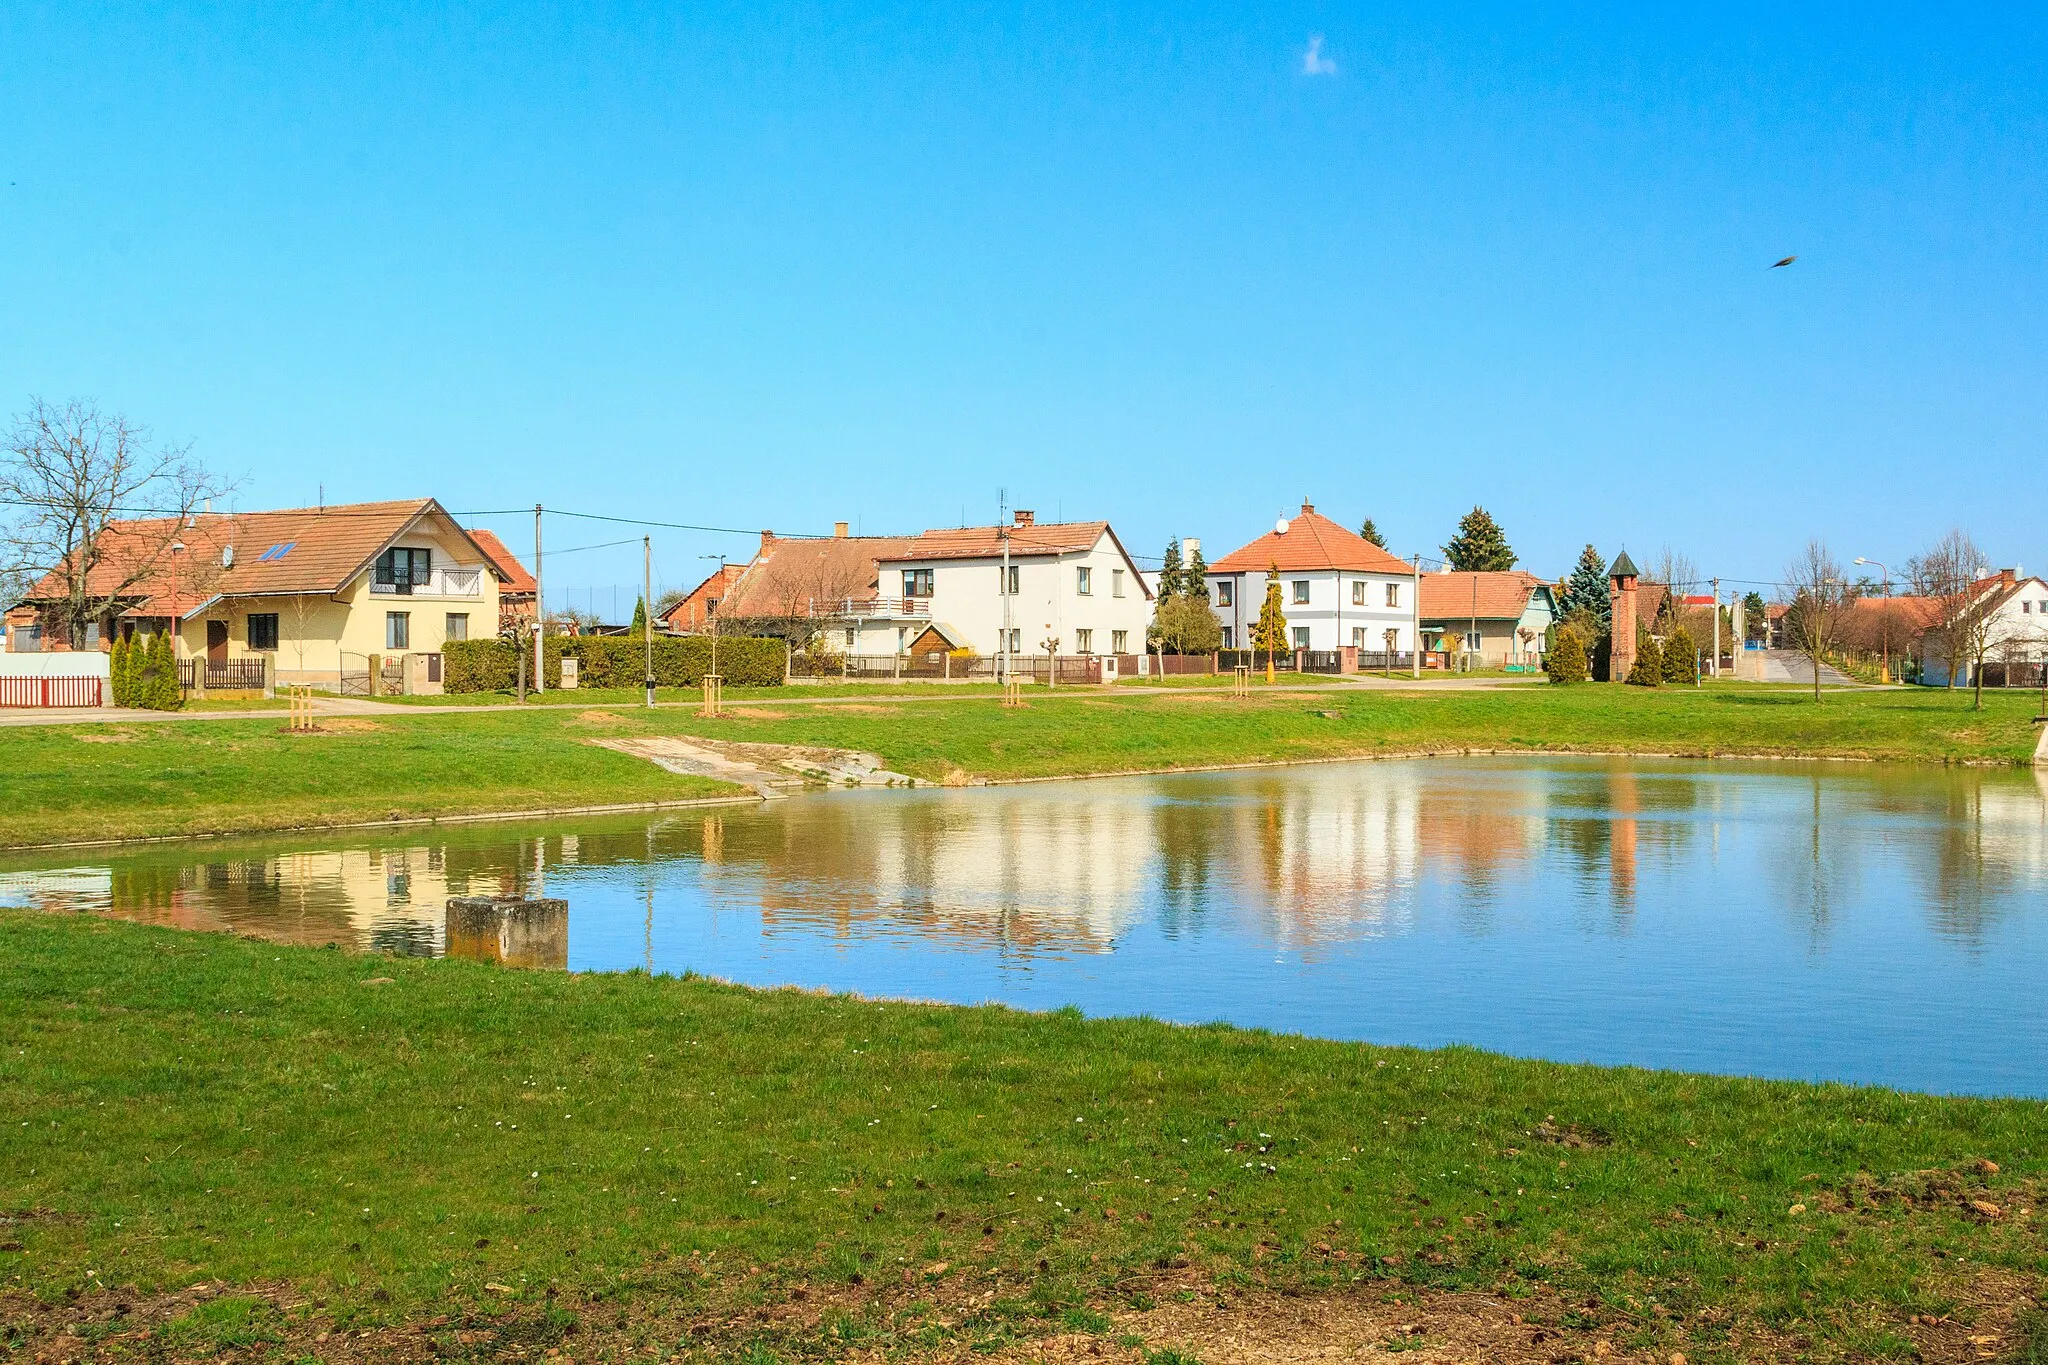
(945, 1316)
(861, 708)
(107, 737)
(348, 725)
(755, 713)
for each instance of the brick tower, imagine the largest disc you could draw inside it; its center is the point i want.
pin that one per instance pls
(1621, 650)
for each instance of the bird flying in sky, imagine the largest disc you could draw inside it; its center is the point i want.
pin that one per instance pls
(1787, 261)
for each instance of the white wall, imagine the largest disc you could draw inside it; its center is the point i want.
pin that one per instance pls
(83, 663)
(1048, 602)
(1331, 616)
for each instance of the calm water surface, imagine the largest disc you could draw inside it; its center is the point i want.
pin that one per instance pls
(1819, 922)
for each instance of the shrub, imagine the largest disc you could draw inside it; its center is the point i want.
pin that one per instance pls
(1649, 665)
(1681, 657)
(1565, 660)
(613, 661)
(154, 684)
(117, 672)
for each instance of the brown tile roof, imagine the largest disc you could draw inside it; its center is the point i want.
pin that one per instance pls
(1489, 596)
(692, 608)
(302, 550)
(1312, 541)
(516, 578)
(796, 578)
(986, 542)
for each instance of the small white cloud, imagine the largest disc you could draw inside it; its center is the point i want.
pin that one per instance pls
(1313, 62)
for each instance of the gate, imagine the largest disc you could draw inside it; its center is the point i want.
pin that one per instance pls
(41, 692)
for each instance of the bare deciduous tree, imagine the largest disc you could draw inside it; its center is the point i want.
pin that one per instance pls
(1964, 619)
(1820, 599)
(68, 471)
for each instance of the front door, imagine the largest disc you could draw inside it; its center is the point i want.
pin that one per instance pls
(216, 642)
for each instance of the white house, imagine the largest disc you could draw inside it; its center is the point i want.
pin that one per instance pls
(1337, 589)
(1069, 584)
(2016, 631)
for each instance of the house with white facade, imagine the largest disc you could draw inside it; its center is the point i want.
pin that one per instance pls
(1068, 588)
(1338, 590)
(2013, 610)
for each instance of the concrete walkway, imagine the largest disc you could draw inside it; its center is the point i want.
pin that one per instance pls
(1789, 665)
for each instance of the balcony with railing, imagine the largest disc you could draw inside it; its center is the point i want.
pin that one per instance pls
(440, 583)
(871, 608)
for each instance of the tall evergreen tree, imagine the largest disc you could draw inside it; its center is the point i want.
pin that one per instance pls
(1170, 571)
(1480, 545)
(117, 672)
(1371, 533)
(1756, 616)
(639, 616)
(1269, 632)
(1194, 580)
(1586, 593)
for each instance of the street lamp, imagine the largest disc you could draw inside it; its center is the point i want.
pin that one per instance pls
(1884, 669)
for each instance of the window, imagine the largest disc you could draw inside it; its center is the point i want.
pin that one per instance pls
(263, 630)
(1358, 637)
(711, 606)
(849, 637)
(1116, 585)
(917, 582)
(1301, 637)
(1229, 638)
(1300, 590)
(1119, 640)
(1358, 592)
(1472, 641)
(458, 626)
(1006, 580)
(1084, 642)
(1016, 641)
(1226, 593)
(1393, 594)
(401, 571)
(1084, 580)
(397, 630)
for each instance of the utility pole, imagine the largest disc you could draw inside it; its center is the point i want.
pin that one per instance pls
(1717, 626)
(540, 613)
(1415, 618)
(1003, 530)
(1471, 647)
(647, 608)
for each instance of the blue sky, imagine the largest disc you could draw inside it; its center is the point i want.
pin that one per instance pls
(758, 266)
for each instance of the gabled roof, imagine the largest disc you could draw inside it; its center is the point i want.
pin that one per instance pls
(796, 578)
(1311, 541)
(1486, 596)
(1623, 567)
(514, 575)
(692, 605)
(986, 542)
(300, 550)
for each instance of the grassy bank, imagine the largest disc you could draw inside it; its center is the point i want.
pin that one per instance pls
(101, 781)
(397, 1140)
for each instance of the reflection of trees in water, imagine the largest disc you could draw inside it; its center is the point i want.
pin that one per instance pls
(1983, 838)
(1185, 832)
(1617, 821)
(403, 938)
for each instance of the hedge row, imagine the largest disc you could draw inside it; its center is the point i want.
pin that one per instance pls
(611, 661)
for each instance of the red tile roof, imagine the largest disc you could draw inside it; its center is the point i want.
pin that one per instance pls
(516, 578)
(1489, 596)
(802, 578)
(986, 542)
(1311, 541)
(301, 550)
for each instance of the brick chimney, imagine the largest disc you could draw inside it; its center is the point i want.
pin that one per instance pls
(1026, 518)
(1307, 507)
(838, 530)
(1621, 652)
(767, 541)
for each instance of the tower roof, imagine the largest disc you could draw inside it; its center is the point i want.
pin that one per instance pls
(1623, 567)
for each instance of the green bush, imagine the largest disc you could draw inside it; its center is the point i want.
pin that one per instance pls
(117, 672)
(1681, 657)
(613, 661)
(1565, 660)
(1649, 665)
(153, 676)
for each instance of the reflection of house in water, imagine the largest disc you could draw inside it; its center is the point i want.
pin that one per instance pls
(62, 888)
(1065, 872)
(1338, 850)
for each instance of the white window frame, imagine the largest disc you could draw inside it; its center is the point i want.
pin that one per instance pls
(1393, 594)
(1358, 592)
(1084, 581)
(1116, 582)
(1226, 593)
(1084, 640)
(398, 624)
(1300, 637)
(1119, 642)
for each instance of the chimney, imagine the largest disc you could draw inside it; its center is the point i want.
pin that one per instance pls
(2010, 576)
(1026, 518)
(767, 541)
(1190, 546)
(838, 530)
(1307, 507)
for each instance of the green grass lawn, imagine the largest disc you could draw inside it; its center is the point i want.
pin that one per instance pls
(393, 1138)
(183, 777)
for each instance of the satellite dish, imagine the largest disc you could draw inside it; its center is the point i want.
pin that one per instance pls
(227, 556)
(1280, 527)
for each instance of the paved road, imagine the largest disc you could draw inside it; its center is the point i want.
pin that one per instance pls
(1789, 665)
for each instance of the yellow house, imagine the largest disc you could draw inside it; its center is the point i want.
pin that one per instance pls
(350, 598)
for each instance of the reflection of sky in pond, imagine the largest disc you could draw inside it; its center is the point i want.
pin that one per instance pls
(1817, 921)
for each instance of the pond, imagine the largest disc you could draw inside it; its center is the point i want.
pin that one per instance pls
(1814, 921)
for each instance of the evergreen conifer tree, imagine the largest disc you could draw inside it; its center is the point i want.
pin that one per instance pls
(1681, 657)
(1649, 666)
(1194, 579)
(1480, 546)
(1565, 660)
(1170, 572)
(1756, 618)
(1371, 534)
(166, 695)
(1269, 632)
(1586, 591)
(117, 672)
(639, 616)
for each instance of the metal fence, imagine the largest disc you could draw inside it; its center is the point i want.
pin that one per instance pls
(18, 691)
